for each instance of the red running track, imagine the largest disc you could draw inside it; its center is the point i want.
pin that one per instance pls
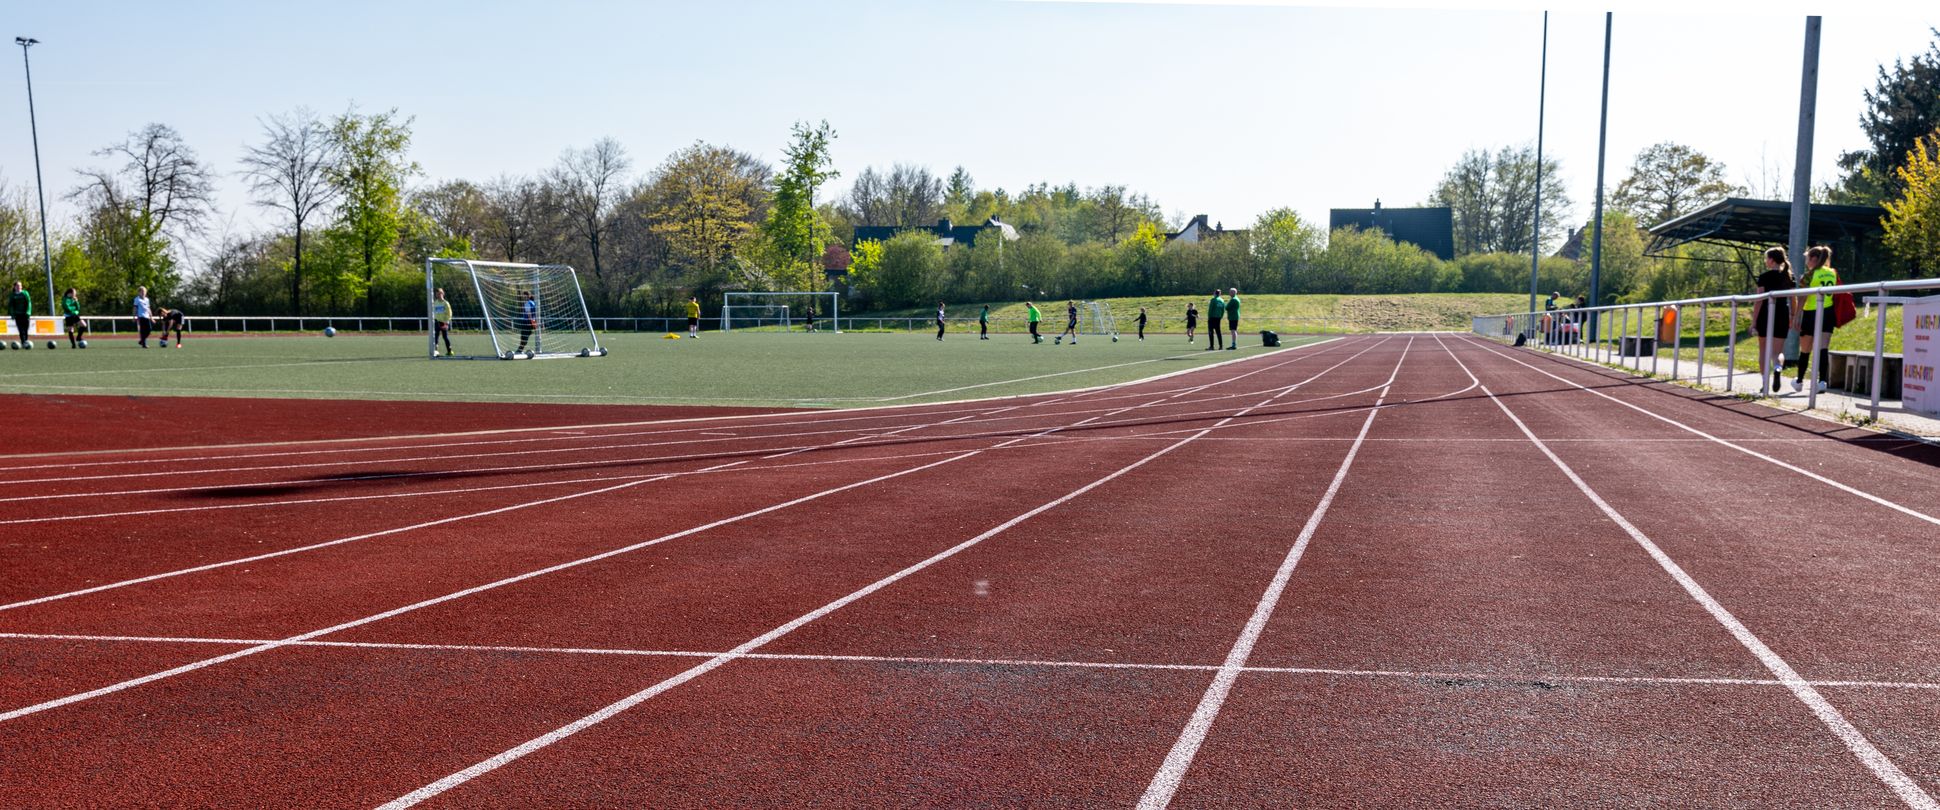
(1385, 570)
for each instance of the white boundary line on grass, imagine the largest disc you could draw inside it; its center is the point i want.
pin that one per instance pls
(744, 649)
(1846, 488)
(683, 420)
(313, 634)
(1548, 678)
(1882, 766)
(1165, 783)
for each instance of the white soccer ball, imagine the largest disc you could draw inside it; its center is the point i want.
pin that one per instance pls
(164, 344)
(13, 344)
(436, 353)
(84, 344)
(330, 331)
(50, 344)
(1114, 338)
(27, 345)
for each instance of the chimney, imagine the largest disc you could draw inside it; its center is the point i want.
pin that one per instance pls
(943, 225)
(1377, 205)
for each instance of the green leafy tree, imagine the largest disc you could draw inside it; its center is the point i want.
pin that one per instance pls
(1902, 108)
(1492, 198)
(1284, 247)
(1669, 180)
(912, 272)
(1913, 219)
(369, 175)
(1140, 254)
(796, 233)
(705, 201)
(1368, 262)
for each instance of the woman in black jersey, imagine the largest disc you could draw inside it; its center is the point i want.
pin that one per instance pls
(1192, 321)
(1775, 325)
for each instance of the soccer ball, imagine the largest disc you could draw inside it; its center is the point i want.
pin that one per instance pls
(330, 331)
(436, 353)
(13, 344)
(164, 344)
(50, 344)
(1114, 338)
(1057, 341)
(84, 344)
(27, 345)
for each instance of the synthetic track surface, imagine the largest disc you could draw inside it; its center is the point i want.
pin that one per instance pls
(1386, 570)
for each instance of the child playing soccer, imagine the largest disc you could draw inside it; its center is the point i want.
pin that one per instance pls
(441, 320)
(171, 319)
(77, 329)
(1070, 323)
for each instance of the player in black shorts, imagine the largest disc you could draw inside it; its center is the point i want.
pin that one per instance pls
(1192, 321)
(77, 329)
(171, 319)
(1141, 323)
(1070, 323)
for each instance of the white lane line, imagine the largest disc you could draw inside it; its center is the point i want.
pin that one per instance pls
(196, 665)
(1165, 783)
(853, 413)
(1465, 678)
(510, 755)
(151, 470)
(1882, 766)
(746, 648)
(1848, 489)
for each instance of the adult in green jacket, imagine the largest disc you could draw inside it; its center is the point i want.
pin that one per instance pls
(1232, 318)
(1215, 314)
(21, 306)
(1031, 314)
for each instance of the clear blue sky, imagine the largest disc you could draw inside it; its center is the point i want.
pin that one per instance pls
(1222, 109)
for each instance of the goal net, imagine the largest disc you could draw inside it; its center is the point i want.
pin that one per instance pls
(781, 311)
(503, 310)
(1095, 318)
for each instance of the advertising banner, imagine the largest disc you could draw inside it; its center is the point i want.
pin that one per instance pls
(1920, 380)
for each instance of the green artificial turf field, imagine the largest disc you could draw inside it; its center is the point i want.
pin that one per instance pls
(750, 369)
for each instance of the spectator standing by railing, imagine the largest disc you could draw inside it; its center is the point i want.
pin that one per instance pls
(1771, 320)
(1815, 317)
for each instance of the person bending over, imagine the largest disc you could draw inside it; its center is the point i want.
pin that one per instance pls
(171, 319)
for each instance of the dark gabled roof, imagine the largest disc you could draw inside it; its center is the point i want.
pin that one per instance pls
(943, 229)
(1431, 229)
(1740, 221)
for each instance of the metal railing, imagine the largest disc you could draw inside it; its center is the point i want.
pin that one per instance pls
(1585, 331)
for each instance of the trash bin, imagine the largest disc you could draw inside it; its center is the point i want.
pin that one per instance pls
(1667, 326)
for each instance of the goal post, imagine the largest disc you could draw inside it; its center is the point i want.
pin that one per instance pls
(782, 311)
(506, 311)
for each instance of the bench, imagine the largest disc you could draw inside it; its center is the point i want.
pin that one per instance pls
(1633, 346)
(1856, 370)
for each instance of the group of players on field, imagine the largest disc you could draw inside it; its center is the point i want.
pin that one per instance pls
(20, 307)
(1217, 310)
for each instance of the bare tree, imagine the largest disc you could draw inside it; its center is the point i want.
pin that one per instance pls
(591, 180)
(514, 212)
(161, 181)
(905, 196)
(289, 172)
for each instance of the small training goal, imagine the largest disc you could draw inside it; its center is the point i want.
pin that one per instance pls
(507, 311)
(781, 311)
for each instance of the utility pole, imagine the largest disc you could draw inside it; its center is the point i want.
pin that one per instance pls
(1536, 228)
(40, 188)
(1802, 167)
(1602, 140)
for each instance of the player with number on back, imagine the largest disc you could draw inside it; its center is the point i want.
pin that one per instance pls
(694, 318)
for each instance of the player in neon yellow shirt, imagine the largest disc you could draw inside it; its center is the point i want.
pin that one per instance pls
(441, 320)
(694, 318)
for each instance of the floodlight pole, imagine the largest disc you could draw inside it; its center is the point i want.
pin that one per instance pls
(1602, 140)
(40, 188)
(1802, 167)
(1536, 226)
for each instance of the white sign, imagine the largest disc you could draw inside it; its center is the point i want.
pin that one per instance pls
(1920, 373)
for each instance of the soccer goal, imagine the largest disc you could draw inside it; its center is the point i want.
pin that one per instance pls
(782, 311)
(1100, 320)
(508, 311)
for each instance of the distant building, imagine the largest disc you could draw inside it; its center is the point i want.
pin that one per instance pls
(1198, 231)
(946, 232)
(1431, 229)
